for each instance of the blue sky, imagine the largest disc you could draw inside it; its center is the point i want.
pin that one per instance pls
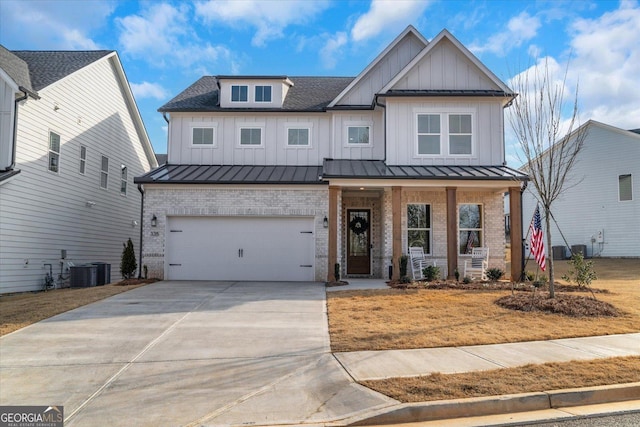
(165, 46)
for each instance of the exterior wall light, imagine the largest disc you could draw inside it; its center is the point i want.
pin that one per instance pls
(154, 221)
(325, 222)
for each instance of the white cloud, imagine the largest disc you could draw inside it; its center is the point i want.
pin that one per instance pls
(332, 49)
(268, 17)
(148, 90)
(520, 29)
(62, 25)
(387, 15)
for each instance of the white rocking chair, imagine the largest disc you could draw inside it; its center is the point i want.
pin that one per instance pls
(478, 264)
(416, 258)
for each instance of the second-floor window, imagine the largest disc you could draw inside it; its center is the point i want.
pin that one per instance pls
(203, 136)
(83, 159)
(239, 93)
(625, 190)
(123, 180)
(459, 133)
(54, 152)
(263, 94)
(250, 136)
(428, 133)
(298, 137)
(358, 135)
(104, 172)
(444, 133)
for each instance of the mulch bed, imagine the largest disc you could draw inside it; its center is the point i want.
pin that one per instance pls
(338, 283)
(129, 282)
(568, 305)
(489, 286)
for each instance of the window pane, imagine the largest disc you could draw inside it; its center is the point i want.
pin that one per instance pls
(624, 186)
(54, 142)
(428, 144)
(239, 93)
(468, 240)
(123, 173)
(83, 152)
(428, 123)
(298, 137)
(358, 134)
(459, 123)
(418, 216)
(105, 164)
(202, 136)
(460, 144)
(83, 165)
(420, 239)
(470, 216)
(250, 136)
(123, 187)
(263, 93)
(53, 161)
(103, 180)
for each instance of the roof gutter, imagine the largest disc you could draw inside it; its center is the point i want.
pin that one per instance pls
(26, 94)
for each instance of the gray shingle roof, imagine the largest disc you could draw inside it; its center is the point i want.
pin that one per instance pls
(220, 174)
(306, 94)
(47, 67)
(377, 169)
(16, 68)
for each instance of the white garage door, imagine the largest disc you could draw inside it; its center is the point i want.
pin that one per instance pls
(240, 248)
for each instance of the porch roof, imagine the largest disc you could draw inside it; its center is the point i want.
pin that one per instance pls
(377, 169)
(237, 174)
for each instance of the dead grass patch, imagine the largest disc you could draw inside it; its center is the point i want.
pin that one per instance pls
(403, 319)
(568, 305)
(524, 379)
(23, 309)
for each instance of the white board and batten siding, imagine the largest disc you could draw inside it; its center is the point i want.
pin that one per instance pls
(240, 248)
(44, 212)
(591, 202)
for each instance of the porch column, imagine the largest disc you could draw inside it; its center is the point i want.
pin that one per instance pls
(396, 221)
(515, 214)
(333, 232)
(452, 233)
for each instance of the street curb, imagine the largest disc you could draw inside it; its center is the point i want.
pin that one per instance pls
(494, 405)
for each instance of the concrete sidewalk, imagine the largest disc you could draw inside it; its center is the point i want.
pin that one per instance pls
(374, 365)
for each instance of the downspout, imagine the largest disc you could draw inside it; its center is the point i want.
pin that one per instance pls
(26, 93)
(384, 122)
(141, 190)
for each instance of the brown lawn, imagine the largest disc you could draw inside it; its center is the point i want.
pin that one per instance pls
(23, 309)
(403, 319)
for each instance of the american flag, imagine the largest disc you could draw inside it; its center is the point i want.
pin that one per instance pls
(537, 242)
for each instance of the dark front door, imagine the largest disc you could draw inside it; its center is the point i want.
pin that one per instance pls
(358, 246)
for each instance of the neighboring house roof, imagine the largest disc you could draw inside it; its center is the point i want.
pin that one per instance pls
(311, 94)
(377, 169)
(16, 68)
(8, 174)
(218, 174)
(47, 67)
(635, 130)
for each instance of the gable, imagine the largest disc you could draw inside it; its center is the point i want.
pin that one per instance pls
(383, 69)
(445, 67)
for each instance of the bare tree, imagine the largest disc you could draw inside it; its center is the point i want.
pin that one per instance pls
(549, 136)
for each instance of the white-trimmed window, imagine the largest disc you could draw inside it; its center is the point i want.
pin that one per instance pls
(83, 159)
(263, 94)
(470, 226)
(625, 188)
(298, 136)
(428, 134)
(203, 136)
(104, 172)
(250, 136)
(54, 152)
(358, 135)
(444, 132)
(239, 93)
(460, 134)
(419, 227)
(123, 180)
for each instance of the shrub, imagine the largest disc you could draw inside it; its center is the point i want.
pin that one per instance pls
(494, 274)
(405, 279)
(466, 280)
(403, 265)
(456, 273)
(128, 263)
(582, 271)
(336, 271)
(431, 273)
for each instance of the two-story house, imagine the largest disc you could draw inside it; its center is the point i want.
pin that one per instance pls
(71, 142)
(282, 178)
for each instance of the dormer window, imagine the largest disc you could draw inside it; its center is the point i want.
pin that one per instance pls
(263, 94)
(239, 93)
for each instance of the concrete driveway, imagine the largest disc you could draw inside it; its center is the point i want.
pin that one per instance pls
(186, 353)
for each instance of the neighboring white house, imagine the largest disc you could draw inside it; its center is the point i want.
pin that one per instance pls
(281, 177)
(71, 142)
(600, 208)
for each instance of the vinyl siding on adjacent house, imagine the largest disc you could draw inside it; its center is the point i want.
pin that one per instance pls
(592, 203)
(7, 97)
(44, 212)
